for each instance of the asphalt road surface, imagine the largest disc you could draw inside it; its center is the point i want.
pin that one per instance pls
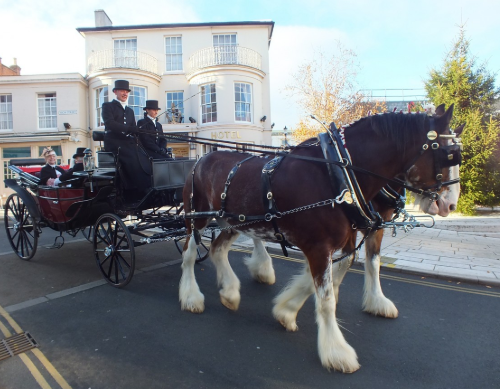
(92, 335)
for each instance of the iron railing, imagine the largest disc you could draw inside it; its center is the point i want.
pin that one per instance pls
(223, 55)
(121, 58)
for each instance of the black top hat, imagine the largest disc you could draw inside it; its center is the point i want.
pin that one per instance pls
(151, 104)
(121, 84)
(79, 152)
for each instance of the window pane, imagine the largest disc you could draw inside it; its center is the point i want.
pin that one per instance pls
(137, 100)
(175, 112)
(173, 53)
(6, 112)
(242, 103)
(47, 111)
(16, 152)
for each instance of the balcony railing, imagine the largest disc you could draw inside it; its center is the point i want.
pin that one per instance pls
(126, 59)
(223, 55)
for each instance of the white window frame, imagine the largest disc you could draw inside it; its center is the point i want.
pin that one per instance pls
(101, 96)
(47, 111)
(178, 101)
(136, 101)
(125, 55)
(208, 106)
(225, 48)
(173, 53)
(6, 121)
(243, 102)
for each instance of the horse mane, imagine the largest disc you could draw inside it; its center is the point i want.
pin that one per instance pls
(403, 129)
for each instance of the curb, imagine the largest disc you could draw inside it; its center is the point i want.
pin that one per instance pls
(405, 270)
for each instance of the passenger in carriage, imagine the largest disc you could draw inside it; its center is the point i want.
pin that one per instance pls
(151, 132)
(53, 175)
(77, 167)
(50, 173)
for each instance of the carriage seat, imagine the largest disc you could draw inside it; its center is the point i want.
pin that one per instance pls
(105, 159)
(98, 136)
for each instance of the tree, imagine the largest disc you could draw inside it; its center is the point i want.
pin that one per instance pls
(471, 89)
(326, 88)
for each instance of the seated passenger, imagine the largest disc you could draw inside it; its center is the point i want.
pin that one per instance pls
(53, 175)
(151, 132)
(50, 173)
(77, 167)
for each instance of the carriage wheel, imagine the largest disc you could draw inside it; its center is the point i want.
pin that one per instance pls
(202, 250)
(114, 250)
(88, 233)
(20, 227)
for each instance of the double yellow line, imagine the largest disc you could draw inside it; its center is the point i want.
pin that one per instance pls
(28, 362)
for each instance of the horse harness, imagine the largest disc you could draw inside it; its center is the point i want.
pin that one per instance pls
(343, 183)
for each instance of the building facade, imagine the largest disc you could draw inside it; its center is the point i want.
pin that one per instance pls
(211, 81)
(38, 111)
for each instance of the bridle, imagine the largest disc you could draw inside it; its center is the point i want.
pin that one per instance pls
(444, 156)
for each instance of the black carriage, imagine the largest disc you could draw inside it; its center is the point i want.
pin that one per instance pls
(93, 203)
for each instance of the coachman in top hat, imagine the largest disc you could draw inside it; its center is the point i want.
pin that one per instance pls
(151, 132)
(119, 122)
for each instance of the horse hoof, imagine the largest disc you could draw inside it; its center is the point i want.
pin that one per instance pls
(193, 308)
(230, 304)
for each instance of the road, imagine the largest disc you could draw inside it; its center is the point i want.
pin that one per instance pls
(95, 336)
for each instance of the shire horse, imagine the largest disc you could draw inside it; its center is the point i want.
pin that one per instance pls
(374, 300)
(386, 145)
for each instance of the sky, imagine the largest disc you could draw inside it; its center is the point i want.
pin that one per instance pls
(397, 43)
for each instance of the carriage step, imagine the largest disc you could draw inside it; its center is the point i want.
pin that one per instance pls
(17, 344)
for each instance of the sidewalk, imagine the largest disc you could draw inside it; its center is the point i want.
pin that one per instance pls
(460, 248)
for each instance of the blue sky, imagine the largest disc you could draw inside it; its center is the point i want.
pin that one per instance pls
(396, 42)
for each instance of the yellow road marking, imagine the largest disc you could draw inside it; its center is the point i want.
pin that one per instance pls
(395, 278)
(27, 361)
(35, 372)
(51, 369)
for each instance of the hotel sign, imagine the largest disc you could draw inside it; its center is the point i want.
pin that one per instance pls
(69, 112)
(225, 135)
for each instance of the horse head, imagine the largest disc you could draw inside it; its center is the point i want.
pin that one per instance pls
(449, 194)
(436, 164)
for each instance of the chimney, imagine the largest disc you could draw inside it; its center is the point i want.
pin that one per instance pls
(102, 19)
(16, 69)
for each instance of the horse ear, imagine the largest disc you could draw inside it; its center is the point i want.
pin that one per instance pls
(445, 119)
(458, 131)
(440, 109)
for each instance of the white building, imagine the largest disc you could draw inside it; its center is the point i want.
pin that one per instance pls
(215, 74)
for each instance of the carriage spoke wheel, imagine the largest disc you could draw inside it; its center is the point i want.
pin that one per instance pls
(20, 227)
(88, 233)
(114, 250)
(202, 250)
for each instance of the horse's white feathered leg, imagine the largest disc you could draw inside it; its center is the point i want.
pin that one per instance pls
(292, 298)
(228, 281)
(189, 292)
(334, 351)
(260, 264)
(374, 300)
(339, 271)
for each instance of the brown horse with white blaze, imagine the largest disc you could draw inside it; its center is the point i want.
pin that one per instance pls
(387, 145)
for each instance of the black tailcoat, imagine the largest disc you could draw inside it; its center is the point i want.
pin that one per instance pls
(133, 163)
(49, 172)
(68, 174)
(152, 138)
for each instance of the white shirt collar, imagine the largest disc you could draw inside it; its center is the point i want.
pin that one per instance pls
(153, 119)
(124, 105)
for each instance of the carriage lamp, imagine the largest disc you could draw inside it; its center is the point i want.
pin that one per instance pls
(88, 161)
(285, 133)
